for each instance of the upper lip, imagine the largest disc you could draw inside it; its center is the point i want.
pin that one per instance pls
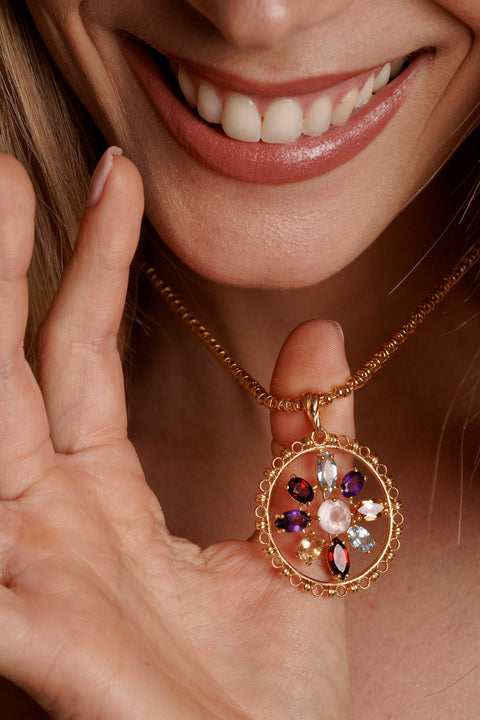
(247, 86)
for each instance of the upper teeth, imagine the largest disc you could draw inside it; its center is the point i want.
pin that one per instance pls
(281, 120)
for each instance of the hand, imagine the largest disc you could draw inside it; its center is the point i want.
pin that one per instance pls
(103, 614)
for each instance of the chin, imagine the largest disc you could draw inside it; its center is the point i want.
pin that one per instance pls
(279, 260)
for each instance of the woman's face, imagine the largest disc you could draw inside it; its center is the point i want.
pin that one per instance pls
(334, 162)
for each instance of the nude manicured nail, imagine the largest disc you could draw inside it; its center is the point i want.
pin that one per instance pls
(101, 174)
(340, 330)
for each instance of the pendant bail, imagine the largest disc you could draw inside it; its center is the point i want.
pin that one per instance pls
(313, 407)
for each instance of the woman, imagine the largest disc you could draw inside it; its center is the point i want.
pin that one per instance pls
(104, 612)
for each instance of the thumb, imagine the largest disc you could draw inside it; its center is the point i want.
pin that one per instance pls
(311, 359)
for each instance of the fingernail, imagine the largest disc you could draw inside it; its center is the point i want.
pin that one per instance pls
(99, 177)
(340, 330)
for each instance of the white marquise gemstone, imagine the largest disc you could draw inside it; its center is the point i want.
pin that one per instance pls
(370, 509)
(360, 538)
(334, 517)
(326, 471)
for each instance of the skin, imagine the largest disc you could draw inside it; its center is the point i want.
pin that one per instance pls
(275, 46)
(104, 613)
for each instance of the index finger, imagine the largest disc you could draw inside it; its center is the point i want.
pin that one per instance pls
(80, 368)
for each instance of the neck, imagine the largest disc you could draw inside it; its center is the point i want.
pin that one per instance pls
(177, 381)
(369, 298)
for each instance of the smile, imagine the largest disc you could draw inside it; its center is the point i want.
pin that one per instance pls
(282, 119)
(271, 135)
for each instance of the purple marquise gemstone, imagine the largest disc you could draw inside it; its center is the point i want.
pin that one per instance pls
(292, 521)
(352, 483)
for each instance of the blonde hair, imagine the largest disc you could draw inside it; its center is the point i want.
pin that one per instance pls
(43, 126)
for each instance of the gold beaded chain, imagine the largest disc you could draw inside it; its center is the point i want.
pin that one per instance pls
(339, 519)
(355, 381)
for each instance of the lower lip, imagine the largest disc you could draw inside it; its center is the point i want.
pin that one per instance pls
(264, 163)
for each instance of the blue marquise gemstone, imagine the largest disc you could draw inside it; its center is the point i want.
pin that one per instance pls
(326, 471)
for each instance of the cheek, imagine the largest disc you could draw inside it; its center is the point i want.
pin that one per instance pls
(468, 11)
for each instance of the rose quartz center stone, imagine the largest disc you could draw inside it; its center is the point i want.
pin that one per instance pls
(334, 517)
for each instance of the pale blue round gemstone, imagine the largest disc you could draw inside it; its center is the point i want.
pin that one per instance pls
(360, 538)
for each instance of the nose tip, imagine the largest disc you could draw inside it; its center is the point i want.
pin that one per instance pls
(251, 24)
(263, 24)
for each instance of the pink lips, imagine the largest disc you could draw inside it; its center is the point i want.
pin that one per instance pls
(259, 162)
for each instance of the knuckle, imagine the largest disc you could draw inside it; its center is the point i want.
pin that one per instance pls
(67, 340)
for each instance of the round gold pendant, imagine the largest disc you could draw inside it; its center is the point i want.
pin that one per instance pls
(329, 515)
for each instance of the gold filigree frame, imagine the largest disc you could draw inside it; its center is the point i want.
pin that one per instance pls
(317, 442)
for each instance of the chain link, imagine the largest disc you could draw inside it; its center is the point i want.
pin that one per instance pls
(354, 382)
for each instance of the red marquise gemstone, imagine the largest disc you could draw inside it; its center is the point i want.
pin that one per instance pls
(300, 490)
(338, 559)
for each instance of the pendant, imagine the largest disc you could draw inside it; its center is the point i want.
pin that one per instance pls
(328, 515)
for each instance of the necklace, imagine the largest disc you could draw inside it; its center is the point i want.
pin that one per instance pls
(343, 480)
